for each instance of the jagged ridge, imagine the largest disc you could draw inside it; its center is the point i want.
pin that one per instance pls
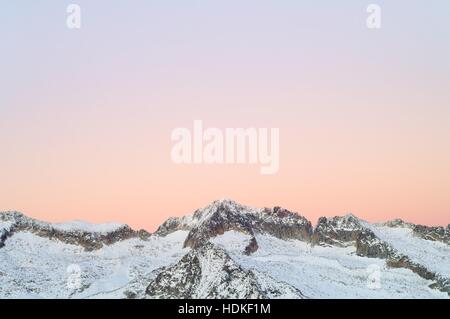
(89, 240)
(350, 230)
(226, 215)
(207, 270)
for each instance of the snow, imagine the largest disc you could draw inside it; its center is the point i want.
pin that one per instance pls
(233, 207)
(32, 266)
(77, 225)
(325, 272)
(37, 267)
(217, 283)
(5, 225)
(434, 255)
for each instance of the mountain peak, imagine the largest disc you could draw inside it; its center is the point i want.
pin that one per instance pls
(350, 216)
(223, 278)
(11, 215)
(264, 252)
(225, 215)
(225, 201)
(339, 231)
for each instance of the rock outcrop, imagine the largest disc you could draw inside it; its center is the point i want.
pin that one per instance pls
(209, 272)
(226, 215)
(369, 245)
(173, 224)
(191, 265)
(433, 233)
(350, 231)
(89, 240)
(340, 231)
(397, 260)
(5, 233)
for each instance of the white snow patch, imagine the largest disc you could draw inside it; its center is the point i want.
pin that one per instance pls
(325, 272)
(434, 255)
(34, 266)
(82, 226)
(5, 225)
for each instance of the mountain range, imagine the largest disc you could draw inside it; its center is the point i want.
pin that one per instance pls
(224, 250)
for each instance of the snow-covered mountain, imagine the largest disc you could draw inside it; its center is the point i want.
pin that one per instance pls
(225, 250)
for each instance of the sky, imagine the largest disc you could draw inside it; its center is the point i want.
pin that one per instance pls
(86, 114)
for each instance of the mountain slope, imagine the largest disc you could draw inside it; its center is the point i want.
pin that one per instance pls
(209, 272)
(225, 250)
(89, 236)
(226, 215)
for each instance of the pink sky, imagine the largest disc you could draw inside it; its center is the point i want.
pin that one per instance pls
(86, 116)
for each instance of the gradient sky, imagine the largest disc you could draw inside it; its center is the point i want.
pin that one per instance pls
(86, 115)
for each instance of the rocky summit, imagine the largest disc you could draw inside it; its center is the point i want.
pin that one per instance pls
(224, 250)
(226, 215)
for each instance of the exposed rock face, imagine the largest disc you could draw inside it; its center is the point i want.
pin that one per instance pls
(87, 239)
(5, 231)
(251, 247)
(4, 234)
(441, 234)
(209, 272)
(283, 224)
(369, 245)
(173, 224)
(397, 223)
(226, 215)
(165, 285)
(433, 233)
(397, 260)
(337, 231)
(350, 231)
(215, 220)
(203, 270)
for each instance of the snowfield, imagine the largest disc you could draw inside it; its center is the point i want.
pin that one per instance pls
(326, 272)
(225, 250)
(432, 254)
(77, 225)
(35, 267)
